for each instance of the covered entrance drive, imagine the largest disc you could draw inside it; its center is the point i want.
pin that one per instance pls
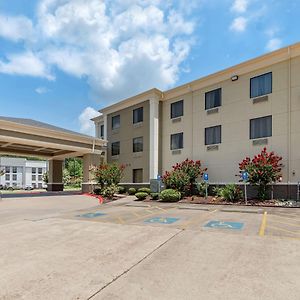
(26, 137)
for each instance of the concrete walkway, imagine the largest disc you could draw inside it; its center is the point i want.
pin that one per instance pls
(69, 247)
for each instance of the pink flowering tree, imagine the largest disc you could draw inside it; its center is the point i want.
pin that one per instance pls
(183, 175)
(263, 169)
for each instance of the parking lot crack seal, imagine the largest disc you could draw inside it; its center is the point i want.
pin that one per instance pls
(135, 265)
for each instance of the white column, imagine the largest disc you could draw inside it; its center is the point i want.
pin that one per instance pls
(105, 126)
(154, 138)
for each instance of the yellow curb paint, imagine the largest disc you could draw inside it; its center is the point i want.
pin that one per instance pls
(263, 224)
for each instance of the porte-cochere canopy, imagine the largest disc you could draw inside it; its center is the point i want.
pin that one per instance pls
(26, 137)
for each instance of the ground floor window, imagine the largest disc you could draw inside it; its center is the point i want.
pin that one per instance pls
(261, 127)
(137, 175)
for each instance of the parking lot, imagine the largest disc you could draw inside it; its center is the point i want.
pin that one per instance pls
(70, 247)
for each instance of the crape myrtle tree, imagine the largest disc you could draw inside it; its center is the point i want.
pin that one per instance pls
(183, 176)
(263, 169)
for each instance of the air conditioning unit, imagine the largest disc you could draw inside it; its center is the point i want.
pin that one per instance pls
(260, 142)
(212, 111)
(260, 99)
(212, 148)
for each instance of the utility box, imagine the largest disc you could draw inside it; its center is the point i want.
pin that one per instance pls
(156, 185)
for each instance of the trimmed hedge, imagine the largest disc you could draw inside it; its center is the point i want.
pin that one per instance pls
(131, 191)
(144, 190)
(154, 196)
(141, 195)
(122, 189)
(170, 195)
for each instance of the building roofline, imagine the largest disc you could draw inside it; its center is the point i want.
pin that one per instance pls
(131, 101)
(239, 69)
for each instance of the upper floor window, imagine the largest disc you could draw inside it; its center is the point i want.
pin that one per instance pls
(177, 109)
(33, 170)
(261, 85)
(138, 144)
(101, 131)
(115, 148)
(261, 127)
(138, 115)
(176, 141)
(14, 178)
(7, 177)
(115, 122)
(14, 170)
(7, 169)
(213, 98)
(40, 170)
(213, 135)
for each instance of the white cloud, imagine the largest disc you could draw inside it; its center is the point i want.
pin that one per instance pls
(26, 63)
(42, 90)
(86, 125)
(120, 47)
(239, 24)
(240, 6)
(274, 44)
(15, 28)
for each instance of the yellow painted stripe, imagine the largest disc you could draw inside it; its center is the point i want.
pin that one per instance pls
(263, 224)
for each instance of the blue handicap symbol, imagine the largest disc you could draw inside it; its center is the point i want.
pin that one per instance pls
(245, 176)
(205, 176)
(91, 215)
(161, 220)
(224, 225)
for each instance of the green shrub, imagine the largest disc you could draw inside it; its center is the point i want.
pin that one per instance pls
(122, 190)
(97, 191)
(131, 191)
(201, 189)
(230, 192)
(170, 195)
(154, 196)
(144, 190)
(141, 195)
(110, 190)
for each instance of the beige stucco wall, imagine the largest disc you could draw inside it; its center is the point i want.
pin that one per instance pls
(125, 135)
(234, 115)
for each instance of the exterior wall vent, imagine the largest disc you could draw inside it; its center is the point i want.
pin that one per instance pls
(260, 99)
(115, 131)
(137, 125)
(176, 152)
(212, 111)
(212, 148)
(260, 142)
(176, 120)
(115, 157)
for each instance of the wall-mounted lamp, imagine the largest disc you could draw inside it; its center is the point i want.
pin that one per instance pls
(234, 78)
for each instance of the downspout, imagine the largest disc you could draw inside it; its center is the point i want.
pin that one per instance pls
(289, 117)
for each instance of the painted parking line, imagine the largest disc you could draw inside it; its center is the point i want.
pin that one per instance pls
(162, 220)
(224, 225)
(263, 225)
(297, 233)
(197, 219)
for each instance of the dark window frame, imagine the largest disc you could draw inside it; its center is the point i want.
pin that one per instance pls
(133, 115)
(135, 145)
(180, 146)
(213, 91)
(214, 143)
(258, 76)
(171, 109)
(112, 122)
(101, 131)
(134, 177)
(259, 118)
(112, 148)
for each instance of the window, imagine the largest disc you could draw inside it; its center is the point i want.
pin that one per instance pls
(176, 141)
(261, 127)
(115, 148)
(213, 98)
(33, 177)
(14, 177)
(102, 131)
(14, 169)
(7, 177)
(40, 177)
(213, 135)
(40, 185)
(137, 175)
(138, 144)
(7, 169)
(261, 85)
(177, 109)
(115, 122)
(40, 170)
(33, 170)
(138, 115)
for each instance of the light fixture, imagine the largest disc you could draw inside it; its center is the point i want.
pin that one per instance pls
(234, 78)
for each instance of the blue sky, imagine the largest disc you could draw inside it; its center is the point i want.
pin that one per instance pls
(61, 60)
